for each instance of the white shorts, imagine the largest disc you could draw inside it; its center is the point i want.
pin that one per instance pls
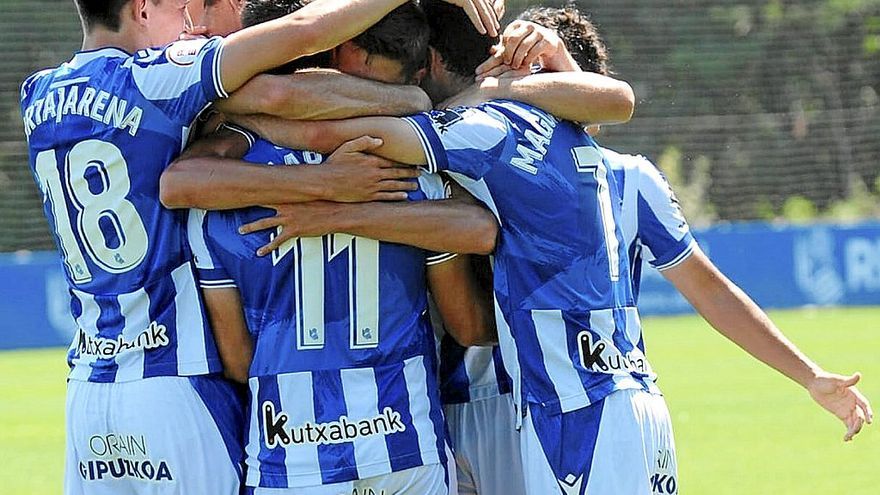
(161, 435)
(434, 479)
(621, 445)
(485, 440)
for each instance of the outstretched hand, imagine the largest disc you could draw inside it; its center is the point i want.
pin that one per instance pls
(838, 395)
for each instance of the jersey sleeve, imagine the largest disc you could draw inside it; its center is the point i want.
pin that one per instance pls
(435, 187)
(466, 140)
(181, 78)
(662, 227)
(246, 134)
(209, 269)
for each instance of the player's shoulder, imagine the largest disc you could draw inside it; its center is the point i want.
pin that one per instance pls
(183, 53)
(514, 110)
(631, 163)
(33, 81)
(478, 128)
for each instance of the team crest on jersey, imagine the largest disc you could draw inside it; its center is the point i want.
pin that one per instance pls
(184, 53)
(444, 119)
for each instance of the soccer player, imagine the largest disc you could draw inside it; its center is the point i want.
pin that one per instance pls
(344, 397)
(592, 419)
(145, 410)
(654, 229)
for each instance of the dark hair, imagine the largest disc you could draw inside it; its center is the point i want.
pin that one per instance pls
(402, 35)
(455, 38)
(101, 13)
(577, 32)
(259, 11)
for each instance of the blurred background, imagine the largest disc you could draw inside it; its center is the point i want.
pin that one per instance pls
(765, 117)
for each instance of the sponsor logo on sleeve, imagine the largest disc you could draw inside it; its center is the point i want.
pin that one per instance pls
(184, 53)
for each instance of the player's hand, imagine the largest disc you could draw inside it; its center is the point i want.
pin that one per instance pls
(483, 13)
(312, 219)
(522, 44)
(838, 394)
(354, 176)
(499, 7)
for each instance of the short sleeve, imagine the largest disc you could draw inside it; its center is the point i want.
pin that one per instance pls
(662, 227)
(466, 140)
(210, 271)
(435, 187)
(181, 78)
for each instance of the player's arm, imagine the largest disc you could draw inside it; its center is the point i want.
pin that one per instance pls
(399, 141)
(450, 225)
(319, 26)
(733, 314)
(577, 96)
(469, 141)
(234, 343)
(210, 175)
(323, 94)
(663, 229)
(464, 305)
(562, 89)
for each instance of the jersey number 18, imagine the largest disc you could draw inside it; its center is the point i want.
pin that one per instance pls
(96, 184)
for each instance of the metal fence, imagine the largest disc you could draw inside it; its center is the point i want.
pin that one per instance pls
(758, 109)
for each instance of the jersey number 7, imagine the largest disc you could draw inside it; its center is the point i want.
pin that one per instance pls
(588, 160)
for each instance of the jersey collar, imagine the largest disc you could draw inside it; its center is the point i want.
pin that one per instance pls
(83, 57)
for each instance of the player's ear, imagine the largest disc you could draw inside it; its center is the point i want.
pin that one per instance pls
(419, 75)
(140, 11)
(435, 61)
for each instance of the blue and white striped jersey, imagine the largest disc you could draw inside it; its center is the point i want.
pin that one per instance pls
(101, 129)
(653, 228)
(561, 271)
(469, 374)
(343, 379)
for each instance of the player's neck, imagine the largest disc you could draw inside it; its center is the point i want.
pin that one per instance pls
(99, 37)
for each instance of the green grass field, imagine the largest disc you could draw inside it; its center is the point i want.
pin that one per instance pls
(740, 427)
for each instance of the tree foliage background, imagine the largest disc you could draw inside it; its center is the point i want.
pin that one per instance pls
(756, 109)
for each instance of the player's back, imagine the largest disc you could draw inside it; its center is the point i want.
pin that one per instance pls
(561, 270)
(340, 330)
(101, 129)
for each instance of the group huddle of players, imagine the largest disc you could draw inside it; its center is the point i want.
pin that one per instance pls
(344, 205)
